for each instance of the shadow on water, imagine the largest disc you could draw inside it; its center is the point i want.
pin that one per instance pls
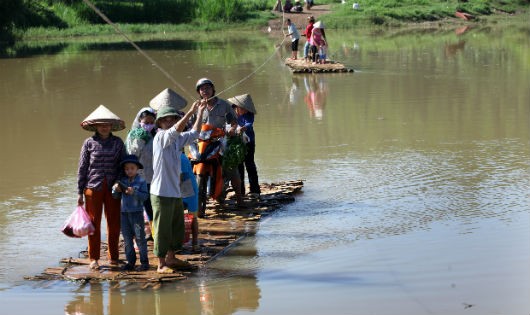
(179, 42)
(40, 48)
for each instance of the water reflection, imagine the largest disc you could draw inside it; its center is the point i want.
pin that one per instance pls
(218, 289)
(316, 95)
(452, 48)
(314, 92)
(193, 297)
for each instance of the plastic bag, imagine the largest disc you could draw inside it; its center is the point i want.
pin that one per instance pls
(78, 224)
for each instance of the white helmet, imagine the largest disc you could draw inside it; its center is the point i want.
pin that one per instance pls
(202, 82)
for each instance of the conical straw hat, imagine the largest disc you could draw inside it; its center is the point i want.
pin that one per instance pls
(168, 97)
(319, 24)
(100, 116)
(243, 101)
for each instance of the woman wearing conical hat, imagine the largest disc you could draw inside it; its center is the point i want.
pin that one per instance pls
(245, 112)
(139, 140)
(99, 166)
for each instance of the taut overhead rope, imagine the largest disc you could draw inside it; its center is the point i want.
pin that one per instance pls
(119, 31)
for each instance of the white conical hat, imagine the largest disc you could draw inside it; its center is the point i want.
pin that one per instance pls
(168, 97)
(102, 115)
(243, 101)
(319, 24)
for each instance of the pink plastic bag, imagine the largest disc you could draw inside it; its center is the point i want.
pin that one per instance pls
(78, 224)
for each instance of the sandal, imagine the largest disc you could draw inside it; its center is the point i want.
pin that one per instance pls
(165, 269)
(94, 265)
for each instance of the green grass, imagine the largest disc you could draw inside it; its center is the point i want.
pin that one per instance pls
(397, 12)
(29, 19)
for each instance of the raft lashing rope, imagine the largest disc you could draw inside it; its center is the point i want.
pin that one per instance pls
(166, 73)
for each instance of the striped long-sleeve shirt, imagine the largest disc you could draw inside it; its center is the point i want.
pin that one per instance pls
(100, 159)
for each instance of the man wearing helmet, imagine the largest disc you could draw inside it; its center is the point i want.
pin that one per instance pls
(218, 112)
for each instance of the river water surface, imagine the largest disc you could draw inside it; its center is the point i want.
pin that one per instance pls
(416, 170)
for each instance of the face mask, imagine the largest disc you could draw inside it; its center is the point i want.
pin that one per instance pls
(147, 127)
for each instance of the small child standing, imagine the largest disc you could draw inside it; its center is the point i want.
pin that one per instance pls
(133, 190)
(322, 53)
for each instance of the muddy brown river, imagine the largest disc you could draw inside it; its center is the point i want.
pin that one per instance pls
(416, 169)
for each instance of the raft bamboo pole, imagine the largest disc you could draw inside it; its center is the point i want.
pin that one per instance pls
(221, 229)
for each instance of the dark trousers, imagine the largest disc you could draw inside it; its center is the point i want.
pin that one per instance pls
(314, 52)
(251, 170)
(148, 207)
(132, 227)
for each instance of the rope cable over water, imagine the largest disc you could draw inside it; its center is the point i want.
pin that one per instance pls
(119, 31)
(167, 74)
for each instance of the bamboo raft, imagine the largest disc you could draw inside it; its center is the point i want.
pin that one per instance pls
(219, 231)
(302, 66)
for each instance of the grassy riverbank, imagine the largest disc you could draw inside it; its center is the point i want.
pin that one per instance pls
(22, 20)
(406, 12)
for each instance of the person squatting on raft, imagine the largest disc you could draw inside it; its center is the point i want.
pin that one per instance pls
(165, 191)
(245, 112)
(99, 168)
(132, 190)
(219, 113)
(139, 142)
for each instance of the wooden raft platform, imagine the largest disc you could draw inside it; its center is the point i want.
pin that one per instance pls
(220, 230)
(302, 66)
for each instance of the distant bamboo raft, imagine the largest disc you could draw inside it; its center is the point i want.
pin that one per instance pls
(219, 231)
(302, 66)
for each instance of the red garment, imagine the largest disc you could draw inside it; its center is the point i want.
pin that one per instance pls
(95, 202)
(308, 30)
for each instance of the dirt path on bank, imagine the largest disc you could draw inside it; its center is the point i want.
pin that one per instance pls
(299, 19)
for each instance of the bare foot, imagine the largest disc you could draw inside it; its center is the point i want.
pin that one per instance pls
(177, 263)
